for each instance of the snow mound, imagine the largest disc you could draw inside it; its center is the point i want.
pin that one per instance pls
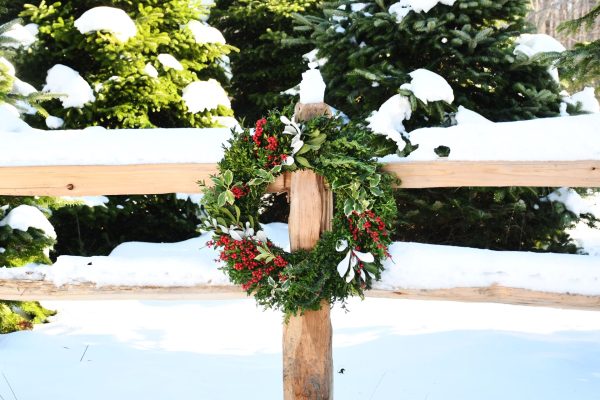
(204, 95)
(428, 86)
(312, 87)
(388, 120)
(10, 121)
(99, 146)
(403, 7)
(54, 122)
(573, 202)
(204, 33)
(587, 98)
(66, 81)
(426, 266)
(108, 19)
(19, 36)
(24, 217)
(168, 61)
(510, 141)
(150, 71)
(531, 44)
(464, 116)
(22, 88)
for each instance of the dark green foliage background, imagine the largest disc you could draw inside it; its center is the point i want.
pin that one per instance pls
(471, 45)
(265, 65)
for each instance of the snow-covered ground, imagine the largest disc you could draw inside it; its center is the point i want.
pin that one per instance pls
(388, 349)
(412, 266)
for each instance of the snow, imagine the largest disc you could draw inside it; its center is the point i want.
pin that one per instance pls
(312, 57)
(412, 266)
(312, 87)
(425, 266)
(428, 86)
(573, 202)
(168, 61)
(22, 145)
(10, 123)
(205, 95)
(511, 141)
(403, 7)
(24, 217)
(150, 71)
(108, 19)
(66, 81)
(20, 35)
(90, 201)
(587, 98)
(464, 116)
(222, 350)
(54, 122)
(22, 88)
(204, 33)
(193, 197)
(531, 44)
(388, 120)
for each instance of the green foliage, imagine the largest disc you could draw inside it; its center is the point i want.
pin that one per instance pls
(364, 210)
(267, 63)
(126, 96)
(581, 64)
(18, 248)
(89, 231)
(470, 44)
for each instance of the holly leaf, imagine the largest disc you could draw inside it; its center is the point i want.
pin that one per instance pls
(303, 161)
(222, 199)
(228, 177)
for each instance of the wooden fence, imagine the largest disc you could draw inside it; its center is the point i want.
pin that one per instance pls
(307, 339)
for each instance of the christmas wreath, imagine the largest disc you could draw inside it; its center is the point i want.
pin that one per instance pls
(347, 259)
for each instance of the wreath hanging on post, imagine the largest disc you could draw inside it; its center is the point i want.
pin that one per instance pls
(347, 259)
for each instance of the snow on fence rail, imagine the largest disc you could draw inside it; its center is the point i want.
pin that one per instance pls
(163, 161)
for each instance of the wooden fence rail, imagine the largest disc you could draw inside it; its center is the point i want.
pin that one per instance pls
(90, 180)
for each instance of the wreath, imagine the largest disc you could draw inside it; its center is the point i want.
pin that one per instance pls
(347, 259)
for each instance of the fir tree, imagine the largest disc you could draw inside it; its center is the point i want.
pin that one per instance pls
(369, 55)
(133, 85)
(265, 65)
(370, 47)
(18, 248)
(581, 64)
(133, 88)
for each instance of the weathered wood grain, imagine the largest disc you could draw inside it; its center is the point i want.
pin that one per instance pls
(91, 180)
(32, 290)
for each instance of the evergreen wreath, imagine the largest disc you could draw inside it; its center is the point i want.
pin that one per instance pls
(347, 259)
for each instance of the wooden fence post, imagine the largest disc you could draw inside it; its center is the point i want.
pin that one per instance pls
(307, 346)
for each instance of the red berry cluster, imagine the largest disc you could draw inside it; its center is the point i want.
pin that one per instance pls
(258, 131)
(240, 255)
(367, 226)
(270, 145)
(240, 191)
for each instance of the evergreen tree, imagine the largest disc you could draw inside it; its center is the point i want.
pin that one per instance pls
(370, 47)
(17, 246)
(138, 81)
(265, 65)
(369, 55)
(139, 78)
(581, 65)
